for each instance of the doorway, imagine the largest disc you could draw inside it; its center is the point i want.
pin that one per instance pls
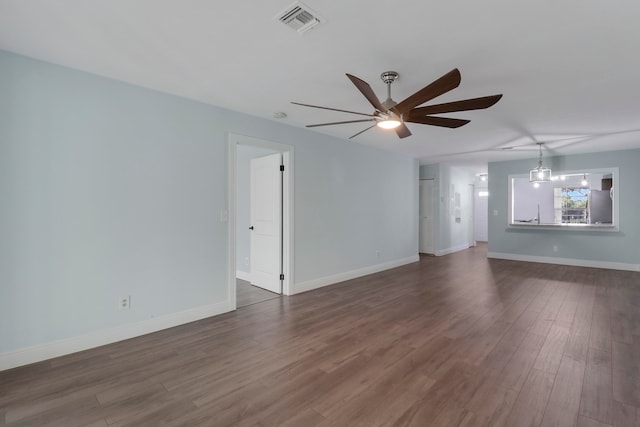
(427, 214)
(265, 221)
(273, 225)
(481, 216)
(471, 237)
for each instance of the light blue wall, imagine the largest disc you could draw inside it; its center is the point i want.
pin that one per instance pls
(621, 247)
(357, 202)
(108, 189)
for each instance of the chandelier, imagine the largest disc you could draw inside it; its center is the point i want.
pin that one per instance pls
(540, 174)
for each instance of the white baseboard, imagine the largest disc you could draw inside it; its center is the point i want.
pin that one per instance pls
(243, 275)
(566, 261)
(53, 349)
(452, 249)
(348, 275)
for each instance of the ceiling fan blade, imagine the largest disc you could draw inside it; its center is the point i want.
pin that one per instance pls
(438, 121)
(368, 93)
(403, 131)
(340, 123)
(444, 84)
(463, 105)
(362, 131)
(332, 109)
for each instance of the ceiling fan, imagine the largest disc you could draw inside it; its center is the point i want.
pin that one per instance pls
(393, 115)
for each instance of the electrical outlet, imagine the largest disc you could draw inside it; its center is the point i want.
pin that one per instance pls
(124, 303)
(555, 248)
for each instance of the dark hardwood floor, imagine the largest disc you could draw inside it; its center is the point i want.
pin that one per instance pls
(457, 340)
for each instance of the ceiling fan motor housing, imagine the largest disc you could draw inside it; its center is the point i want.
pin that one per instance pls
(389, 77)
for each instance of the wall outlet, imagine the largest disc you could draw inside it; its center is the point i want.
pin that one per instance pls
(555, 248)
(124, 303)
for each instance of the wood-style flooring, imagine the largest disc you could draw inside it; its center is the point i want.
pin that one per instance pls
(457, 340)
(247, 294)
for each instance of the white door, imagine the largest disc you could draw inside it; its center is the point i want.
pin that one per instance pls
(481, 217)
(469, 209)
(426, 212)
(266, 222)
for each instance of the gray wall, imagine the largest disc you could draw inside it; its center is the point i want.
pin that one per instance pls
(620, 247)
(108, 189)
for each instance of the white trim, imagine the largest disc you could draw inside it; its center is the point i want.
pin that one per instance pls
(451, 250)
(566, 261)
(231, 230)
(348, 275)
(567, 227)
(243, 275)
(288, 219)
(66, 346)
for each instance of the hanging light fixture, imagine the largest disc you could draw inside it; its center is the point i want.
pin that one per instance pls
(540, 174)
(584, 181)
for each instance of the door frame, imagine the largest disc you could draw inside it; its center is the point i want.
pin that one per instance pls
(287, 210)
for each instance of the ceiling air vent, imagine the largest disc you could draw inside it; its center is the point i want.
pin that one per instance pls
(300, 17)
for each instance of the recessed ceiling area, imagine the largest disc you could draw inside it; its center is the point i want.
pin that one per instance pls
(566, 69)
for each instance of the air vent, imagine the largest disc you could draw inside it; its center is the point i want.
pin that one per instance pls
(299, 17)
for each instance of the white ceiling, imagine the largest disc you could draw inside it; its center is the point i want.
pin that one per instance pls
(566, 68)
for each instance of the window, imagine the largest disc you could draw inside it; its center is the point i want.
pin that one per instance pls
(571, 205)
(570, 200)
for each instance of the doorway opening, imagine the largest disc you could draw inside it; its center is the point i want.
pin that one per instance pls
(249, 294)
(426, 223)
(471, 233)
(260, 244)
(481, 214)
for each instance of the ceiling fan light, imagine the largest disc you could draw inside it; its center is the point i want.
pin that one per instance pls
(389, 124)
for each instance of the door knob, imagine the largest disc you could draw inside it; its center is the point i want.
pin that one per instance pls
(251, 228)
